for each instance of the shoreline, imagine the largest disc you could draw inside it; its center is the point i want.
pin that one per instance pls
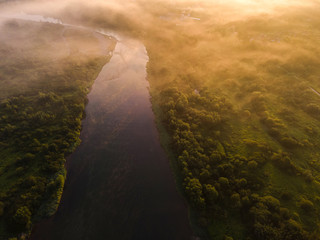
(164, 139)
(90, 65)
(56, 201)
(112, 166)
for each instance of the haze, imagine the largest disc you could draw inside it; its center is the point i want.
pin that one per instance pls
(224, 10)
(234, 88)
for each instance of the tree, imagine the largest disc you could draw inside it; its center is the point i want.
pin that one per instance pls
(272, 203)
(194, 190)
(293, 230)
(252, 165)
(306, 205)
(235, 200)
(22, 219)
(211, 192)
(224, 182)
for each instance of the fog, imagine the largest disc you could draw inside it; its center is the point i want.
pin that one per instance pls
(135, 10)
(201, 33)
(235, 27)
(260, 58)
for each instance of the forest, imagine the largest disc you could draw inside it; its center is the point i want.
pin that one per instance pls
(238, 106)
(43, 94)
(235, 90)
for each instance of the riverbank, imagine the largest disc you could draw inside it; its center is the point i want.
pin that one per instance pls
(119, 177)
(242, 140)
(44, 89)
(166, 143)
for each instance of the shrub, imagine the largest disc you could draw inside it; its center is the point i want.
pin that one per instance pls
(211, 192)
(272, 203)
(227, 237)
(224, 181)
(313, 109)
(22, 219)
(289, 142)
(252, 165)
(306, 205)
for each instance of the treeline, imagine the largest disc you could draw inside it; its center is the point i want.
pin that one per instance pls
(223, 184)
(37, 131)
(44, 84)
(239, 108)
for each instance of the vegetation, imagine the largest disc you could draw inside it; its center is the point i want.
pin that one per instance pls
(241, 119)
(236, 98)
(43, 94)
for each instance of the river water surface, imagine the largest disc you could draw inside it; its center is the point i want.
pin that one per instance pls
(119, 183)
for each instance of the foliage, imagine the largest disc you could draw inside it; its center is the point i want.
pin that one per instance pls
(22, 219)
(242, 121)
(40, 123)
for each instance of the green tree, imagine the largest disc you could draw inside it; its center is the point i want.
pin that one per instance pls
(211, 192)
(252, 165)
(224, 182)
(194, 190)
(22, 218)
(235, 200)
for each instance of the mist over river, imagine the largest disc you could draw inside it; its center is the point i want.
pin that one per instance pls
(119, 183)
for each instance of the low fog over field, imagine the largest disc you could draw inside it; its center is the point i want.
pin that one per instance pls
(234, 86)
(139, 11)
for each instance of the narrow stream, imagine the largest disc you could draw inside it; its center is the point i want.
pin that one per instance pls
(119, 183)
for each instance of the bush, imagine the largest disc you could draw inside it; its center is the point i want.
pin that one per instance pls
(227, 238)
(193, 189)
(289, 142)
(306, 205)
(252, 165)
(22, 219)
(211, 192)
(285, 213)
(272, 203)
(313, 109)
(224, 182)
(235, 200)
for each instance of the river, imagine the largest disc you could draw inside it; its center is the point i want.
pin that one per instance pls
(119, 183)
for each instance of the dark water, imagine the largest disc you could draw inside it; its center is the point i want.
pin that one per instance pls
(119, 183)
